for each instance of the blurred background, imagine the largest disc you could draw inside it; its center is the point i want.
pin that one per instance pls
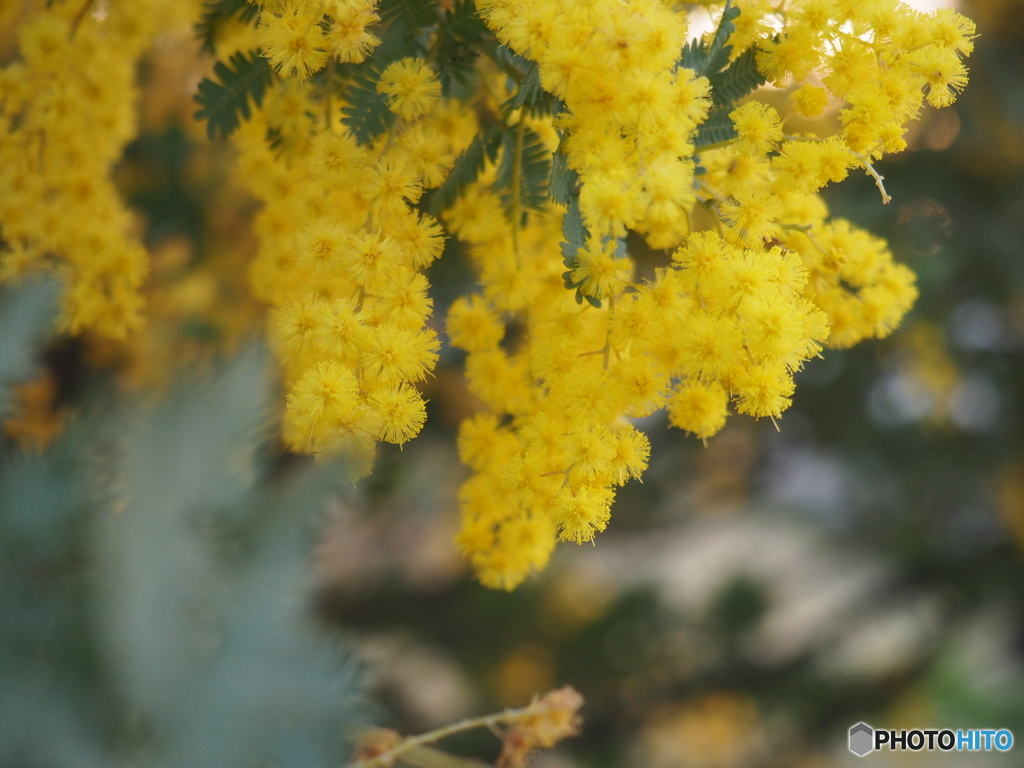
(172, 593)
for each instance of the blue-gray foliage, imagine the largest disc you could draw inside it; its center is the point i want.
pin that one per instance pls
(154, 583)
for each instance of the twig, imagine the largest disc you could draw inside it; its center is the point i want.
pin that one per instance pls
(78, 17)
(412, 742)
(886, 199)
(517, 180)
(873, 174)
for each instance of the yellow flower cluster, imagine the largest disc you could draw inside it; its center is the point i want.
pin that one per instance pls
(342, 250)
(755, 278)
(67, 110)
(759, 277)
(299, 37)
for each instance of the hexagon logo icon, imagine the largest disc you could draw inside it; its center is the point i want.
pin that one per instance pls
(862, 739)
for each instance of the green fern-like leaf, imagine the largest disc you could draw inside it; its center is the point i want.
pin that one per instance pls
(737, 80)
(366, 113)
(460, 34)
(720, 50)
(530, 96)
(510, 62)
(709, 59)
(574, 231)
(564, 179)
(693, 56)
(467, 168)
(534, 169)
(247, 77)
(717, 128)
(216, 13)
(408, 17)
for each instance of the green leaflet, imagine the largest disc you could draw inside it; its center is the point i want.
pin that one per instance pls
(460, 34)
(706, 61)
(574, 231)
(216, 13)
(737, 80)
(564, 180)
(717, 128)
(729, 83)
(467, 168)
(222, 102)
(534, 162)
(719, 52)
(575, 234)
(366, 113)
(530, 97)
(693, 55)
(407, 17)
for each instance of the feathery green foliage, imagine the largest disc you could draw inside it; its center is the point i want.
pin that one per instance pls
(407, 17)
(460, 35)
(576, 234)
(574, 230)
(530, 96)
(467, 167)
(366, 113)
(154, 569)
(729, 83)
(564, 180)
(737, 80)
(719, 51)
(717, 128)
(708, 59)
(247, 77)
(217, 13)
(523, 147)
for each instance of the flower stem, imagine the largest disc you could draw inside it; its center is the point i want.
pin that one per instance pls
(873, 174)
(385, 759)
(517, 180)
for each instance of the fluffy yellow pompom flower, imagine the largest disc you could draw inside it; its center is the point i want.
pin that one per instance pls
(582, 511)
(318, 246)
(401, 410)
(473, 325)
(764, 391)
(427, 152)
(809, 100)
(758, 126)
(352, 434)
(698, 408)
(370, 259)
(334, 155)
(326, 392)
(340, 332)
(347, 38)
(293, 327)
(293, 41)
(631, 455)
(598, 271)
(403, 301)
(411, 88)
(396, 354)
(390, 185)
